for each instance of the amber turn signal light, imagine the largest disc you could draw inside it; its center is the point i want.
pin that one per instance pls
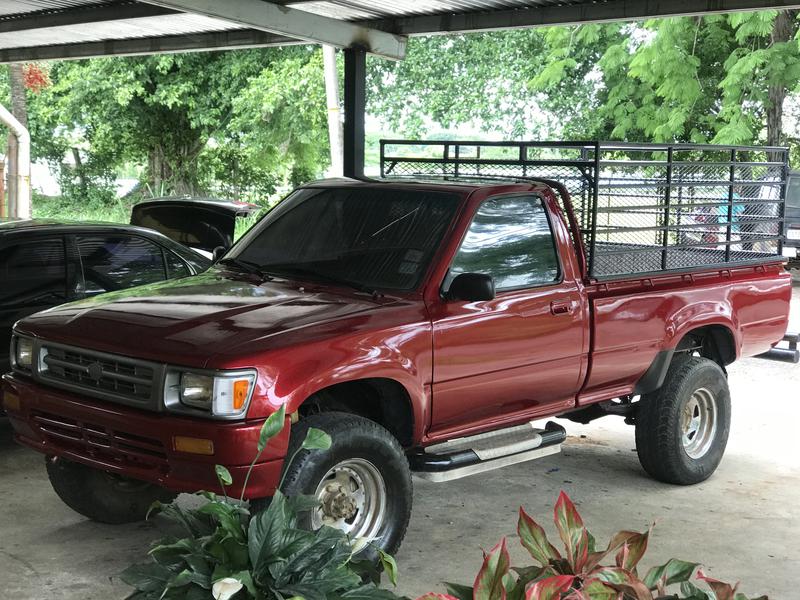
(11, 402)
(241, 388)
(192, 445)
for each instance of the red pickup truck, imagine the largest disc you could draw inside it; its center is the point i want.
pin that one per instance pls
(426, 321)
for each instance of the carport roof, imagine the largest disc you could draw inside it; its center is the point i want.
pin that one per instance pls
(51, 29)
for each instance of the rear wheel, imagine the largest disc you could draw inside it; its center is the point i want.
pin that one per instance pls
(363, 481)
(682, 428)
(103, 496)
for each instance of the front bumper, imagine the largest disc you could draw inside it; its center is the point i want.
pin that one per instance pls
(139, 444)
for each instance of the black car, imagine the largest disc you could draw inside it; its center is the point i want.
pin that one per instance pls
(44, 263)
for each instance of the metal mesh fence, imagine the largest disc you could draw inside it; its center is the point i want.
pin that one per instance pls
(640, 208)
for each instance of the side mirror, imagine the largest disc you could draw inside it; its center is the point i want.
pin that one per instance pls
(218, 253)
(472, 287)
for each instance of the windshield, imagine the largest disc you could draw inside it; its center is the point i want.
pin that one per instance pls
(369, 237)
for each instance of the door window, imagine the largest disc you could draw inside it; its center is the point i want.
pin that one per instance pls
(175, 266)
(117, 262)
(511, 240)
(33, 273)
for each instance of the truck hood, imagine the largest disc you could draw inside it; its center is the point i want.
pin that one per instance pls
(189, 321)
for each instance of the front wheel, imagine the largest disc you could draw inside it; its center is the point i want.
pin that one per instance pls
(682, 428)
(362, 482)
(102, 496)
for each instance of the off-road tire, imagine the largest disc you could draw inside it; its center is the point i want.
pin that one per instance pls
(659, 433)
(102, 496)
(353, 437)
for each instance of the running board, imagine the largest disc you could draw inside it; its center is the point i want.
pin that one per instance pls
(462, 457)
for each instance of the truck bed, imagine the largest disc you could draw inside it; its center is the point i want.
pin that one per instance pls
(625, 260)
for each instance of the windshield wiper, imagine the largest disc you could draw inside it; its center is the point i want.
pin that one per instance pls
(300, 271)
(245, 266)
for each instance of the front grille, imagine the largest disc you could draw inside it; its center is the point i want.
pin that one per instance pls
(102, 443)
(101, 375)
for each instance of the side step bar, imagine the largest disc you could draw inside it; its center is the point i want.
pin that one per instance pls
(790, 354)
(462, 457)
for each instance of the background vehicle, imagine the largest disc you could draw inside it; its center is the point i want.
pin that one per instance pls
(202, 224)
(425, 324)
(792, 212)
(47, 263)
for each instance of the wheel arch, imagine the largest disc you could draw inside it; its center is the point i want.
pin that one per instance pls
(715, 341)
(383, 400)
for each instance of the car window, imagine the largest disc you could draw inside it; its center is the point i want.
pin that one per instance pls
(175, 266)
(33, 272)
(115, 262)
(380, 238)
(511, 240)
(793, 192)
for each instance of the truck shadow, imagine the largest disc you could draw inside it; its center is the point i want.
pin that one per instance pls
(6, 434)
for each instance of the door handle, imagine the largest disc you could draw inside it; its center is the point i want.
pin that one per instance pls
(562, 307)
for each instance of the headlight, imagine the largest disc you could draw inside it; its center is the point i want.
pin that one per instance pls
(197, 390)
(23, 353)
(219, 394)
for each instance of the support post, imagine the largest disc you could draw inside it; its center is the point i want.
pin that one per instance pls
(355, 84)
(335, 132)
(3, 212)
(20, 204)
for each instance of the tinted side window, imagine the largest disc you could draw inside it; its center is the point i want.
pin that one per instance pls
(793, 191)
(117, 261)
(175, 266)
(33, 272)
(509, 239)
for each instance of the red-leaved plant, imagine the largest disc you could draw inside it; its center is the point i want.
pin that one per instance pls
(36, 77)
(579, 573)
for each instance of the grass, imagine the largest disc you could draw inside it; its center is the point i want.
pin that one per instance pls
(47, 207)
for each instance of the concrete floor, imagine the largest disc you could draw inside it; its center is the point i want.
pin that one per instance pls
(742, 524)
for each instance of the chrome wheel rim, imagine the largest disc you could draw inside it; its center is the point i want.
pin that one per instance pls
(699, 423)
(352, 498)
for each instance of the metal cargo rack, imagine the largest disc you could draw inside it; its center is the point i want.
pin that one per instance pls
(639, 208)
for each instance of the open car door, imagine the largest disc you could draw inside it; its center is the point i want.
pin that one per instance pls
(199, 223)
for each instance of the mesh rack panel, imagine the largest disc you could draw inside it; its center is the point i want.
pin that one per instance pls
(640, 208)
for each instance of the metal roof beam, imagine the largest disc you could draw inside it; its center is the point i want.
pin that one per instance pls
(302, 25)
(541, 16)
(80, 16)
(196, 42)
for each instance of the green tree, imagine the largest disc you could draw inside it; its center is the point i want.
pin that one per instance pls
(721, 79)
(175, 115)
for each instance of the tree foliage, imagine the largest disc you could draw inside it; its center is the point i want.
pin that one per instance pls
(192, 119)
(223, 122)
(721, 79)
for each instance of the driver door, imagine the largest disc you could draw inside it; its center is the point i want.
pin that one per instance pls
(519, 355)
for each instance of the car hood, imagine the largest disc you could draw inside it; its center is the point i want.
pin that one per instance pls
(189, 321)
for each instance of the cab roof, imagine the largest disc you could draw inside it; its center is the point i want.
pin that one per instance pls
(465, 185)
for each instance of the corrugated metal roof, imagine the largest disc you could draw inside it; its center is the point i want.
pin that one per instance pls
(380, 9)
(10, 7)
(124, 29)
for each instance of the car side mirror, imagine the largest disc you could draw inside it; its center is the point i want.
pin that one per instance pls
(472, 287)
(218, 253)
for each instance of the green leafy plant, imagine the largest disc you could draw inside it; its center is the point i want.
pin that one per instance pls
(579, 573)
(228, 553)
